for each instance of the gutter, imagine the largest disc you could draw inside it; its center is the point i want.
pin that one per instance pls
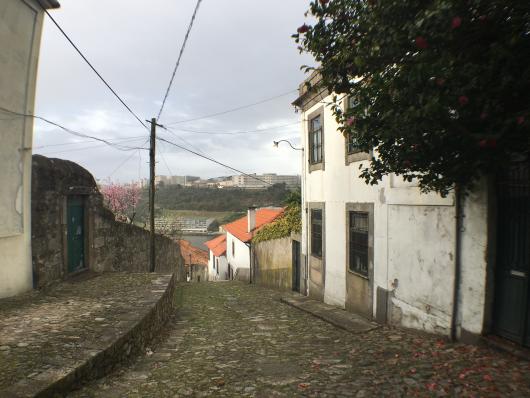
(458, 262)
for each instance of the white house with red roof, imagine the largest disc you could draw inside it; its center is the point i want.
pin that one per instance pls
(239, 235)
(217, 262)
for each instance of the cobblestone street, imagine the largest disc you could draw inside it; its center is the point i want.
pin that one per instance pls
(232, 339)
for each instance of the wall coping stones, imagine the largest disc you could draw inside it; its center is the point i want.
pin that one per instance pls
(54, 340)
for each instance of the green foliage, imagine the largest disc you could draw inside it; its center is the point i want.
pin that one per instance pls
(289, 221)
(174, 197)
(293, 198)
(441, 88)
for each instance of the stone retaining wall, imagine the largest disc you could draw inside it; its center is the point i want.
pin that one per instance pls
(272, 263)
(109, 245)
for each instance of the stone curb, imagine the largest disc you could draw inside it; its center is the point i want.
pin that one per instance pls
(96, 363)
(337, 317)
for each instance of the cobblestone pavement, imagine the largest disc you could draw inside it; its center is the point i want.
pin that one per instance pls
(55, 329)
(232, 339)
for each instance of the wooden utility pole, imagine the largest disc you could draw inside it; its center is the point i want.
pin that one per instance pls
(152, 256)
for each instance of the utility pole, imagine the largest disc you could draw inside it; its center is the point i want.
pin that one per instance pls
(152, 152)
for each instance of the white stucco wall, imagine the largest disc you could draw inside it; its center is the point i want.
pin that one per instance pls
(414, 239)
(241, 257)
(219, 272)
(20, 33)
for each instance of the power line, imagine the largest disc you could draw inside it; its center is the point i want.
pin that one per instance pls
(91, 147)
(125, 161)
(125, 139)
(70, 131)
(179, 57)
(238, 132)
(233, 109)
(182, 139)
(91, 66)
(213, 160)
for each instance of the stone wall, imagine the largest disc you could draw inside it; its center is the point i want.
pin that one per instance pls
(109, 245)
(272, 263)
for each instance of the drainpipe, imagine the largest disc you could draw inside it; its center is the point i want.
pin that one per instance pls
(458, 264)
(249, 245)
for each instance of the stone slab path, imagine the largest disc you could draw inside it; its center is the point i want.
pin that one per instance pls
(232, 339)
(338, 317)
(48, 335)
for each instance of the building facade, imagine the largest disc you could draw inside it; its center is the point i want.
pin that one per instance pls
(20, 36)
(403, 257)
(217, 262)
(262, 181)
(239, 239)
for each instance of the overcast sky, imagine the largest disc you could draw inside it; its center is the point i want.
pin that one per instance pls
(239, 52)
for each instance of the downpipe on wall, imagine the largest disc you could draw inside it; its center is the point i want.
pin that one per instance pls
(458, 262)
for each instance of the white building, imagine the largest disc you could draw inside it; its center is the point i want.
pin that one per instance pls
(217, 263)
(238, 239)
(20, 35)
(396, 255)
(255, 181)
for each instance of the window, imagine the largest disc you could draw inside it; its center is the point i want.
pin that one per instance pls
(358, 242)
(351, 142)
(233, 249)
(315, 140)
(316, 232)
(217, 261)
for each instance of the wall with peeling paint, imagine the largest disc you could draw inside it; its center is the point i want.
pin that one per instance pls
(20, 33)
(413, 238)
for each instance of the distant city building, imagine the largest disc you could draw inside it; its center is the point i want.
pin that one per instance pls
(175, 180)
(257, 181)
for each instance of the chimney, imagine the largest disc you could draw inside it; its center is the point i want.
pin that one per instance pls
(251, 218)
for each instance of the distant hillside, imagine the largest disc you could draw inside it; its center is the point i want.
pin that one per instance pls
(176, 197)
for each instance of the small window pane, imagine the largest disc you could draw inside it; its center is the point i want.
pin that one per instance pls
(358, 241)
(316, 232)
(315, 140)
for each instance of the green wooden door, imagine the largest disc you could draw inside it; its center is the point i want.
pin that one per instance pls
(76, 233)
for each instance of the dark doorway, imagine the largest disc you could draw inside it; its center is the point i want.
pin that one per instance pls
(512, 303)
(75, 233)
(296, 266)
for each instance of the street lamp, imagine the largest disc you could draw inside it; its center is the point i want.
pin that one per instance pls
(275, 144)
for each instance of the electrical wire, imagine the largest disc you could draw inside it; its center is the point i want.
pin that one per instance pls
(124, 162)
(213, 160)
(70, 131)
(232, 110)
(125, 139)
(90, 147)
(182, 139)
(237, 132)
(179, 57)
(91, 66)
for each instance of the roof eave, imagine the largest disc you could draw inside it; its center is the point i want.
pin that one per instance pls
(49, 4)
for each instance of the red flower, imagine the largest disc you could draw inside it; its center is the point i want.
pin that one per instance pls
(350, 121)
(323, 2)
(303, 29)
(463, 100)
(520, 120)
(421, 42)
(457, 21)
(488, 143)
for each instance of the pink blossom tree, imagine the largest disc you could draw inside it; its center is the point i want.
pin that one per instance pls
(122, 200)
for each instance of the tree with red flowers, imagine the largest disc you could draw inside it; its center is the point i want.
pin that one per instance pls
(122, 200)
(441, 88)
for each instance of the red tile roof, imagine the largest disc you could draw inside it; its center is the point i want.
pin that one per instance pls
(239, 227)
(217, 245)
(198, 256)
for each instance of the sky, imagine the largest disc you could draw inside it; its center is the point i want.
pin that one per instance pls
(239, 52)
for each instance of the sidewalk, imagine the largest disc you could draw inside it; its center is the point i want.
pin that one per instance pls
(52, 340)
(336, 316)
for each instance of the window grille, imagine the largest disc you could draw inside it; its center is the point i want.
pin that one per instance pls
(316, 232)
(358, 241)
